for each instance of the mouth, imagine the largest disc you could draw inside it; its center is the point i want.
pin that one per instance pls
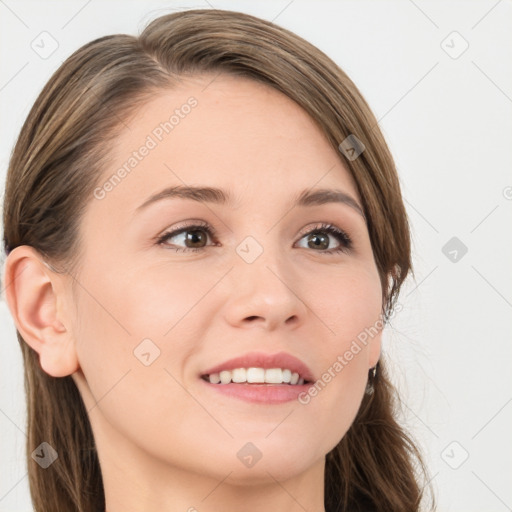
(255, 375)
(259, 391)
(260, 378)
(260, 368)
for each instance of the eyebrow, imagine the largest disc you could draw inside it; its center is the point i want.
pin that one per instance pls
(215, 195)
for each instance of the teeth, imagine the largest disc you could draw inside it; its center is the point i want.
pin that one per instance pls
(225, 377)
(256, 376)
(274, 376)
(239, 375)
(214, 378)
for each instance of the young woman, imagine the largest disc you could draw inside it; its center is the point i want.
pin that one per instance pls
(205, 237)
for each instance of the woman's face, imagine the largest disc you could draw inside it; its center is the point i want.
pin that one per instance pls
(153, 317)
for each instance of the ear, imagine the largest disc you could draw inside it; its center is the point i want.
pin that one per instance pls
(35, 297)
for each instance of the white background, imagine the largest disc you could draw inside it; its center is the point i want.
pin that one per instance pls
(448, 123)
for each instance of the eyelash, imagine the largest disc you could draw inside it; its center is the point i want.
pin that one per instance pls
(344, 239)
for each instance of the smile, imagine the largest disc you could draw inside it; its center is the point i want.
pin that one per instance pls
(256, 376)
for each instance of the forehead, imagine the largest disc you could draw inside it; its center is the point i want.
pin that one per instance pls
(226, 132)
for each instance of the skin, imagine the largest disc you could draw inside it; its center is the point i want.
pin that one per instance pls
(164, 441)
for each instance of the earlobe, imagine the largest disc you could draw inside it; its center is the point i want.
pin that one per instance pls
(32, 294)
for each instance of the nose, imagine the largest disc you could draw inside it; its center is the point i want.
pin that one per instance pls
(263, 294)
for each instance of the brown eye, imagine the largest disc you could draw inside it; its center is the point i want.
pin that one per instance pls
(187, 238)
(195, 238)
(319, 239)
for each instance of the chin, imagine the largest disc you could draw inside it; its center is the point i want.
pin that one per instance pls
(267, 472)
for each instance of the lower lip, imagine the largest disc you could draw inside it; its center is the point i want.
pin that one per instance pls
(260, 393)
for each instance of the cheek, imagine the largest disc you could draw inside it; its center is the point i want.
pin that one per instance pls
(128, 318)
(123, 306)
(122, 318)
(347, 301)
(349, 305)
(160, 299)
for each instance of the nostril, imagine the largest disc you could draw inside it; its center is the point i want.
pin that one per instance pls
(293, 319)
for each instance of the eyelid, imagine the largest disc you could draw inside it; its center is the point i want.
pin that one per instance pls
(186, 225)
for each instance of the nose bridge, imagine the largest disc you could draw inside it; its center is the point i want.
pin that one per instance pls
(262, 287)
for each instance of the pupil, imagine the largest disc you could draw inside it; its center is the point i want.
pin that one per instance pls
(319, 240)
(193, 237)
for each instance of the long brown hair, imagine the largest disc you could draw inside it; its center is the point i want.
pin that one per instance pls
(56, 165)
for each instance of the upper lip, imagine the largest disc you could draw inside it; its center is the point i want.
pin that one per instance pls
(262, 360)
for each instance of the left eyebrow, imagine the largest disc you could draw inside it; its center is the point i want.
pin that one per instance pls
(219, 196)
(325, 196)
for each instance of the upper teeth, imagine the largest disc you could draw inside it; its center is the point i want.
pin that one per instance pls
(256, 375)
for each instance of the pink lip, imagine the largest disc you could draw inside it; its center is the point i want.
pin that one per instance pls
(260, 393)
(261, 360)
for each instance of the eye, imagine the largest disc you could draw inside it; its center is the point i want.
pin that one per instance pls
(194, 237)
(319, 237)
